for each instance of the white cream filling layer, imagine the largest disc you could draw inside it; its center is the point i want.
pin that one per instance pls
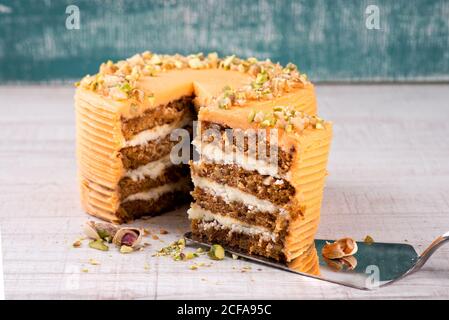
(231, 194)
(212, 220)
(158, 132)
(155, 193)
(215, 154)
(151, 169)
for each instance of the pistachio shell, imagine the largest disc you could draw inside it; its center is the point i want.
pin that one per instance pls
(90, 230)
(128, 236)
(100, 230)
(341, 248)
(335, 265)
(350, 262)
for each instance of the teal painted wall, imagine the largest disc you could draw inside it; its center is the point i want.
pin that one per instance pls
(328, 39)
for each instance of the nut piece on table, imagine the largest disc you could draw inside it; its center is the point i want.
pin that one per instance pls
(216, 252)
(130, 237)
(100, 230)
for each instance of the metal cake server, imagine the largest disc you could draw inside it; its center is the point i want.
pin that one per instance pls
(378, 264)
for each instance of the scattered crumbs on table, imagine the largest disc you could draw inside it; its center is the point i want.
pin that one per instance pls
(93, 262)
(155, 237)
(163, 231)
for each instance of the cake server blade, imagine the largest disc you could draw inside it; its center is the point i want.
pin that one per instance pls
(378, 264)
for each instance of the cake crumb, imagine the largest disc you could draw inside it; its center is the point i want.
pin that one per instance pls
(163, 231)
(94, 262)
(155, 237)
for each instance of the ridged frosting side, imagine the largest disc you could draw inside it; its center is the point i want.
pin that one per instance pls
(308, 175)
(98, 141)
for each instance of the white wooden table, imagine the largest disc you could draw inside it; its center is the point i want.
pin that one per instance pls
(389, 178)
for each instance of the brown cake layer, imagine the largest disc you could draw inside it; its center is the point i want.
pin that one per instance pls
(134, 157)
(251, 182)
(166, 114)
(137, 208)
(238, 210)
(284, 158)
(251, 244)
(172, 174)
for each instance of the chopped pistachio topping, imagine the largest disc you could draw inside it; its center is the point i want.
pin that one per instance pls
(119, 80)
(251, 116)
(286, 118)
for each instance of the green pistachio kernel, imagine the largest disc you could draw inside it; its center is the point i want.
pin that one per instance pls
(265, 123)
(216, 252)
(251, 116)
(126, 249)
(98, 245)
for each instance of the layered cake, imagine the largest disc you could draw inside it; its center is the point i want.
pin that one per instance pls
(266, 202)
(259, 178)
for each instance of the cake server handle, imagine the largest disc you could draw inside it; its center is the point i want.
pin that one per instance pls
(434, 246)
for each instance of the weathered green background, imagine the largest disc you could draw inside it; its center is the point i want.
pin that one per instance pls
(326, 38)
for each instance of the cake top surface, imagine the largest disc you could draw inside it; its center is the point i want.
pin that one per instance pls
(147, 79)
(241, 93)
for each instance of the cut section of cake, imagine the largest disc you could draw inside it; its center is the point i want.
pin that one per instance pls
(259, 180)
(127, 112)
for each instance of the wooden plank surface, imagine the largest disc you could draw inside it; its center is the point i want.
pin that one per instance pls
(329, 40)
(389, 178)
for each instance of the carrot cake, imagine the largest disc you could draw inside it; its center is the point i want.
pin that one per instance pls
(133, 116)
(259, 178)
